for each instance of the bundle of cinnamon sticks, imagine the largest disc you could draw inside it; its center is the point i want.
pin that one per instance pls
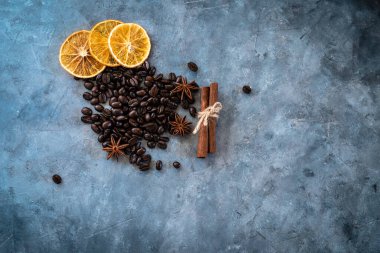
(207, 134)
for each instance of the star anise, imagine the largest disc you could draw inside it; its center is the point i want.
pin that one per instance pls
(115, 149)
(180, 126)
(184, 88)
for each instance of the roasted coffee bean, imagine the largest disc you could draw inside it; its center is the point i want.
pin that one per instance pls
(116, 105)
(192, 66)
(87, 96)
(247, 89)
(133, 102)
(146, 65)
(102, 98)
(164, 101)
(109, 93)
(107, 124)
(99, 108)
(136, 131)
(107, 112)
(133, 122)
(101, 138)
(149, 79)
(151, 144)
(147, 117)
(56, 179)
(122, 91)
(176, 165)
(146, 157)
(94, 101)
(152, 71)
(164, 138)
(159, 165)
(95, 117)
(140, 93)
(123, 100)
(132, 141)
(153, 115)
(86, 119)
(121, 118)
(161, 130)
(148, 137)
(193, 111)
(161, 116)
(102, 87)
(96, 129)
(133, 158)
(140, 151)
(162, 145)
(112, 100)
(156, 138)
(117, 112)
(159, 77)
(86, 111)
(88, 85)
(172, 76)
(153, 91)
(133, 114)
(133, 82)
(106, 77)
(144, 167)
(119, 124)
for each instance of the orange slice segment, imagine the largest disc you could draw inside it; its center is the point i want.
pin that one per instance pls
(99, 42)
(129, 44)
(75, 56)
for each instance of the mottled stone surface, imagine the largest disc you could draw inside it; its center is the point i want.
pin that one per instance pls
(297, 167)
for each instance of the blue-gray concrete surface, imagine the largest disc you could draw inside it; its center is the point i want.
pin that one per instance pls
(297, 166)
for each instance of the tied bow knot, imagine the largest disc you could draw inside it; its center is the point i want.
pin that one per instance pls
(211, 111)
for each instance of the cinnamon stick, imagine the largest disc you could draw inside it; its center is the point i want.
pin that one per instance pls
(202, 147)
(212, 121)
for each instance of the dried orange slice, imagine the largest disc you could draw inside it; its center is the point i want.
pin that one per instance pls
(99, 42)
(129, 44)
(75, 56)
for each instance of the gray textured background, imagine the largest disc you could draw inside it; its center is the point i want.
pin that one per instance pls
(297, 167)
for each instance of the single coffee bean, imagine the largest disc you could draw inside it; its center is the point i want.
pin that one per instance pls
(86, 119)
(151, 144)
(159, 165)
(153, 91)
(117, 112)
(112, 100)
(106, 77)
(88, 85)
(140, 151)
(102, 98)
(144, 167)
(247, 89)
(176, 165)
(133, 114)
(107, 112)
(96, 129)
(116, 105)
(132, 141)
(133, 82)
(102, 87)
(109, 93)
(95, 117)
(192, 66)
(86, 111)
(121, 118)
(146, 157)
(162, 145)
(136, 131)
(107, 124)
(94, 101)
(193, 111)
(99, 108)
(101, 138)
(160, 130)
(148, 137)
(133, 158)
(87, 96)
(172, 76)
(159, 77)
(123, 100)
(141, 93)
(164, 138)
(56, 179)
(133, 102)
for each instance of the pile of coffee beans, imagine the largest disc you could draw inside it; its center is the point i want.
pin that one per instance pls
(135, 107)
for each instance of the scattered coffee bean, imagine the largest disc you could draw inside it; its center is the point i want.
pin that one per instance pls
(247, 89)
(159, 165)
(192, 66)
(176, 165)
(57, 179)
(86, 111)
(193, 111)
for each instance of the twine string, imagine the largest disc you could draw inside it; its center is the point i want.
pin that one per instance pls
(203, 117)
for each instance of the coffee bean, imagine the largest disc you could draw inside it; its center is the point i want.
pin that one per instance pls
(116, 105)
(56, 179)
(123, 100)
(133, 102)
(176, 165)
(86, 119)
(106, 77)
(132, 141)
(193, 111)
(117, 112)
(102, 98)
(146, 157)
(96, 129)
(192, 66)
(99, 108)
(160, 130)
(121, 118)
(86, 111)
(87, 96)
(164, 138)
(101, 138)
(151, 144)
(133, 158)
(88, 85)
(140, 151)
(159, 165)
(95, 117)
(107, 124)
(136, 131)
(153, 91)
(94, 101)
(162, 145)
(133, 114)
(144, 167)
(140, 93)
(247, 89)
